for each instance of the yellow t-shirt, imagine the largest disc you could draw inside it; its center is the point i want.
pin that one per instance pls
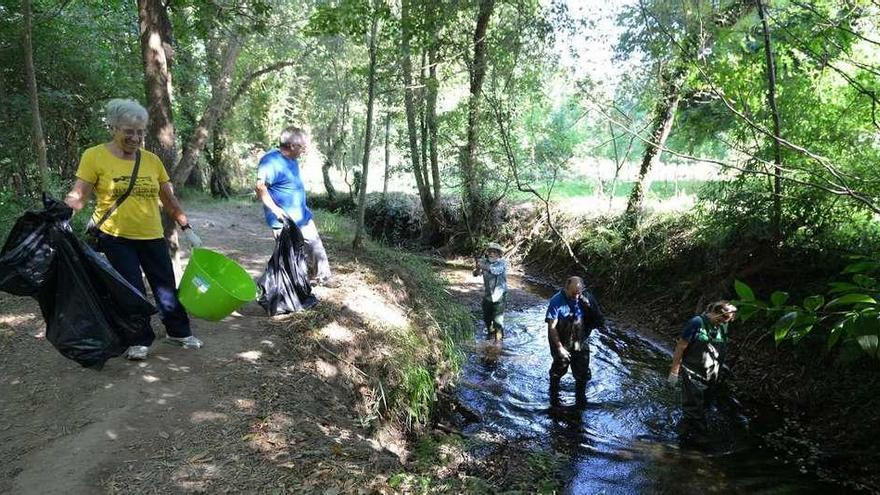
(137, 217)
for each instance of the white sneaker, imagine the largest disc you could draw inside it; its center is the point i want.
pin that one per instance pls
(190, 342)
(137, 353)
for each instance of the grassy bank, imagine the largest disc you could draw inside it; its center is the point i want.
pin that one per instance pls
(423, 354)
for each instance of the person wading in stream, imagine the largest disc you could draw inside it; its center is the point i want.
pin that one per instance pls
(493, 268)
(700, 352)
(572, 314)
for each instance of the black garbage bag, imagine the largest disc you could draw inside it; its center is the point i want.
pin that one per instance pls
(91, 312)
(284, 287)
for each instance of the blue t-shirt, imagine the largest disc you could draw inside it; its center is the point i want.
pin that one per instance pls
(282, 179)
(691, 328)
(561, 308)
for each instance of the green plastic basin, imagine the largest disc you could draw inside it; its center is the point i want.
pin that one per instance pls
(213, 286)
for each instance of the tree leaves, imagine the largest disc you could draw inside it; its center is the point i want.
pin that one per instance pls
(783, 326)
(853, 316)
(778, 298)
(743, 291)
(851, 299)
(812, 303)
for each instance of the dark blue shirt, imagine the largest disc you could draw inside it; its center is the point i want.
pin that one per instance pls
(282, 179)
(691, 328)
(561, 308)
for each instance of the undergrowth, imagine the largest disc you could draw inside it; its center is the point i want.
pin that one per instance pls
(426, 355)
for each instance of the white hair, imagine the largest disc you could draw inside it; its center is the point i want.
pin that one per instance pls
(291, 134)
(122, 111)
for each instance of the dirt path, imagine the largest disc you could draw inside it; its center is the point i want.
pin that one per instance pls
(267, 406)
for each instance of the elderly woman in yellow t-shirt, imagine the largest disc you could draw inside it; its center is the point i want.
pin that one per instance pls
(132, 236)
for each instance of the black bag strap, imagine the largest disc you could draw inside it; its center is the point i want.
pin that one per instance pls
(124, 196)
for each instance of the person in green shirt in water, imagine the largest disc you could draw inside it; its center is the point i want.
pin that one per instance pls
(700, 353)
(493, 267)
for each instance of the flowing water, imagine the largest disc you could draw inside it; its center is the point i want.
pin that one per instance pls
(625, 439)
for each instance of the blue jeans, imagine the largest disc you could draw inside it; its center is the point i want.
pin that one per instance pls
(128, 257)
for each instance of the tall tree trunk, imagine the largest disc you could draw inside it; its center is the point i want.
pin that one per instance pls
(409, 104)
(475, 203)
(664, 115)
(358, 241)
(218, 160)
(670, 95)
(329, 158)
(776, 219)
(423, 124)
(13, 171)
(157, 54)
(435, 218)
(335, 144)
(216, 107)
(431, 96)
(387, 154)
(36, 120)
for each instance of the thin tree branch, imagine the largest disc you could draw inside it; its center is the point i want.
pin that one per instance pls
(839, 190)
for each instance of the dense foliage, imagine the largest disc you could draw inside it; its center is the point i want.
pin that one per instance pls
(475, 106)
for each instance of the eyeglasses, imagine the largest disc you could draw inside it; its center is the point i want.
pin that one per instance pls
(132, 132)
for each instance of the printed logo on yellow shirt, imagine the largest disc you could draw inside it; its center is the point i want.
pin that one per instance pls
(144, 187)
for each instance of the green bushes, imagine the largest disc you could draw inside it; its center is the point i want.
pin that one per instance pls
(848, 312)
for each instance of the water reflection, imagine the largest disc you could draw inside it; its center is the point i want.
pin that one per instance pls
(625, 440)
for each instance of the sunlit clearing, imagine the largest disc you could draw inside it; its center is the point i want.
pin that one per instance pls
(373, 307)
(250, 356)
(326, 369)
(205, 416)
(336, 332)
(9, 320)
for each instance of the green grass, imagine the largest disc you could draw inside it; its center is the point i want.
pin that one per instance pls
(587, 187)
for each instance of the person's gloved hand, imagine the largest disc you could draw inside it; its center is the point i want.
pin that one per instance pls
(672, 380)
(193, 238)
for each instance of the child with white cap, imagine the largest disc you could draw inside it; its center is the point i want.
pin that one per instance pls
(493, 267)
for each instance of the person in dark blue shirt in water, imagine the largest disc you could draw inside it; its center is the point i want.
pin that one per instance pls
(281, 189)
(572, 314)
(700, 351)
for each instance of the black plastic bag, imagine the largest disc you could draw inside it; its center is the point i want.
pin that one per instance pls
(91, 312)
(284, 287)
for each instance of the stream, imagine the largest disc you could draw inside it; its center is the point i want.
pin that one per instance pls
(625, 440)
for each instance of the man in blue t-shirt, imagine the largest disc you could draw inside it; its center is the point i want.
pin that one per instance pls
(572, 314)
(281, 189)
